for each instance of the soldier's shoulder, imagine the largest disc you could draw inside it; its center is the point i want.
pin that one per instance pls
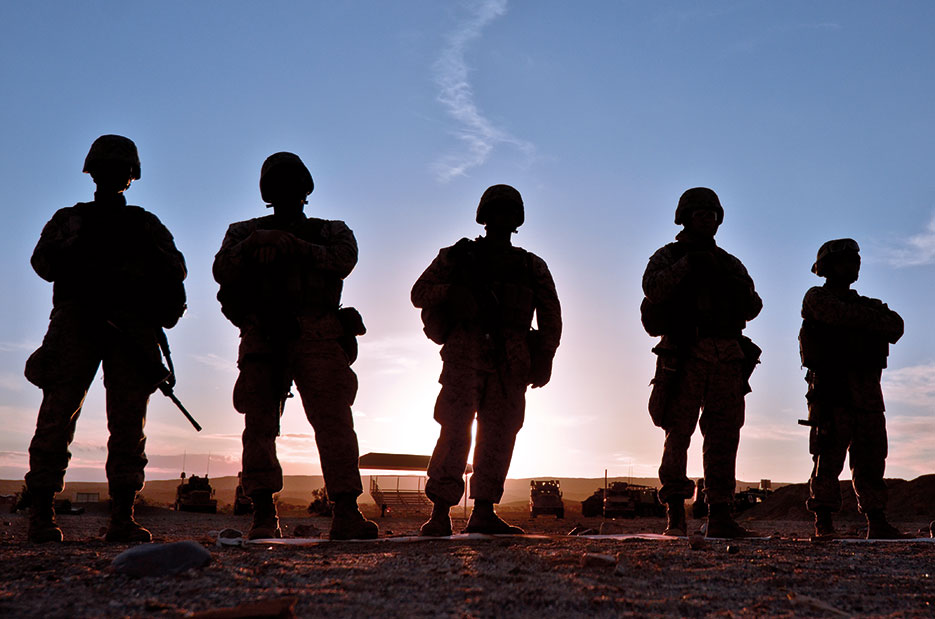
(669, 251)
(463, 245)
(248, 224)
(138, 213)
(69, 211)
(535, 261)
(334, 225)
(814, 295)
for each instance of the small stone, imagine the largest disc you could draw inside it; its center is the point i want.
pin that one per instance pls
(733, 549)
(161, 559)
(306, 530)
(697, 541)
(590, 559)
(932, 529)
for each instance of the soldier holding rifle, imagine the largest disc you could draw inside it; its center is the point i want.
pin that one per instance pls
(117, 281)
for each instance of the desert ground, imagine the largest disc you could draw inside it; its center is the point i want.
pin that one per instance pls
(554, 574)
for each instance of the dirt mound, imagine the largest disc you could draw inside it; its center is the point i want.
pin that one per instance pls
(908, 501)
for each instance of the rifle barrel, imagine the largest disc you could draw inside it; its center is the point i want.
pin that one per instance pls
(167, 391)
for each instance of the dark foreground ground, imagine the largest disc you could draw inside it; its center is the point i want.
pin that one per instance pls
(562, 576)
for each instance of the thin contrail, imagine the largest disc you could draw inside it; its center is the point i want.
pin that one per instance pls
(478, 133)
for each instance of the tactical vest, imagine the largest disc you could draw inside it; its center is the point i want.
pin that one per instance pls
(699, 307)
(290, 289)
(118, 268)
(501, 283)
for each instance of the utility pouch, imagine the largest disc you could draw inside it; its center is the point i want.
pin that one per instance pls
(751, 358)
(664, 384)
(437, 323)
(34, 371)
(352, 325)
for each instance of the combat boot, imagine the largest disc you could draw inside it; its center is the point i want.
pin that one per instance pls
(265, 519)
(42, 526)
(675, 519)
(439, 525)
(721, 524)
(879, 528)
(348, 522)
(485, 520)
(824, 527)
(123, 528)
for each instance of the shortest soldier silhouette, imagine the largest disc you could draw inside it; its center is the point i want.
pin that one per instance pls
(478, 299)
(844, 343)
(281, 279)
(117, 281)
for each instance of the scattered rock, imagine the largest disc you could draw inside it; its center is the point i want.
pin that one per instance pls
(932, 529)
(696, 541)
(592, 559)
(161, 559)
(733, 549)
(306, 530)
(281, 607)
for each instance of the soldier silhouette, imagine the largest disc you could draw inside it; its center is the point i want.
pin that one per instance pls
(699, 299)
(281, 278)
(117, 281)
(844, 343)
(478, 299)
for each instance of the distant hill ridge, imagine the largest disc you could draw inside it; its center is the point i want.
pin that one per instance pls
(297, 489)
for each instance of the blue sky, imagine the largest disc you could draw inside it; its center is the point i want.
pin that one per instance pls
(811, 120)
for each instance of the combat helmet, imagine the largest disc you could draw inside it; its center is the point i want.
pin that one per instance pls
(698, 197)
(283, 175)
(831, 248)
(501, 197)
(110, 149)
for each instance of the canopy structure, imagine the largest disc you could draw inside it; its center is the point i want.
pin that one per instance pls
(402, 498)
(375, 461)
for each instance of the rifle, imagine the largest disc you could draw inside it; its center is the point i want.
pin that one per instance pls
(168, 383)
(166, 376)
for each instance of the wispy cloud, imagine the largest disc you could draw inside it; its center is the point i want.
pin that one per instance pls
(914, 385)
(917, 250)
(216, 362)
(479, 134)
(911, 445)
(12, 382)
(21, 345)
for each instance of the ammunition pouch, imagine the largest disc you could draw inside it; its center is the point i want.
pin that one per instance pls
(352, 325)
(35, 368)
(657, 318)
(663, 383)
(437, 323)
(540, 359)
(751, 358)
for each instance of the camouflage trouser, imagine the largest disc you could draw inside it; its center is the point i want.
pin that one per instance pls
(499, 406)
(327, 386)
(64, 367)
(863, 434)
(718, 389)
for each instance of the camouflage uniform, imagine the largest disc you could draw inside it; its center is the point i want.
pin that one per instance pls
(844, 340)
(487, 359)
(117, 279)
(290, 330)
(702, 364)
